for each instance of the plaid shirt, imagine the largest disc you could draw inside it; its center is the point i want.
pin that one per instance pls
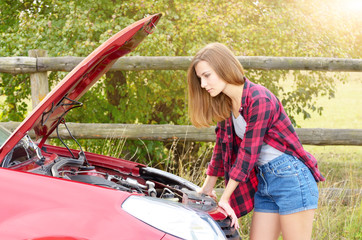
(236, 159)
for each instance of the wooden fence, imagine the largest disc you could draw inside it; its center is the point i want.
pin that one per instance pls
(17, 65)
(167, 133)
(38, 64)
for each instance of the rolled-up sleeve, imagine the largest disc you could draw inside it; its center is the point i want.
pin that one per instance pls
(258, 118)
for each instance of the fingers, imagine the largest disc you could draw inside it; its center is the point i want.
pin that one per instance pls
(234, 221)
(230, 212)
(211, 194)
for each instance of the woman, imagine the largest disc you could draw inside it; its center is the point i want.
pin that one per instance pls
(256, 150)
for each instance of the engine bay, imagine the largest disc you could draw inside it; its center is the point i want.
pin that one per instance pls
(149, 181)
(103, 171)
(113, 173)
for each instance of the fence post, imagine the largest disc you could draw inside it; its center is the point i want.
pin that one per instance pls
(39, 80)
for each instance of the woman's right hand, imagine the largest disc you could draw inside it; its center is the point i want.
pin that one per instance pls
(208, 187)
(210, 193)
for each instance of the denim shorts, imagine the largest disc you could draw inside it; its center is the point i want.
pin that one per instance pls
(285, 186)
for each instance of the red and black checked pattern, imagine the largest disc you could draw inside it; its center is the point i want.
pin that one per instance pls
(235, 158)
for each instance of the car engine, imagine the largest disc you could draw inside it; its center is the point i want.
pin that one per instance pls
(150, 181)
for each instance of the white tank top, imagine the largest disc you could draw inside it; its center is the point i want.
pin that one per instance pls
(267, 152)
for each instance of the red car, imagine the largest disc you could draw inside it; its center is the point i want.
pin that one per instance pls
(50, 192)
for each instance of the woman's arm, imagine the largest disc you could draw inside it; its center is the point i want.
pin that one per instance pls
(208, 189)
(224, 202)
(208, 186)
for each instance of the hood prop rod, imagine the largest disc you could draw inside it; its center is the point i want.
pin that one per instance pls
(74, 104)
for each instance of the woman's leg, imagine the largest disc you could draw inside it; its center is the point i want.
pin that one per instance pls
(297, 226)
(265, 226)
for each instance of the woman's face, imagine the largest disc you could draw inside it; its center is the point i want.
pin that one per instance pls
(210, 81)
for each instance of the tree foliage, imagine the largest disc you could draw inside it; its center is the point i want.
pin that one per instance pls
(309, 28)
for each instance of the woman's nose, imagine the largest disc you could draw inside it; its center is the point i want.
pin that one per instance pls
(203, 83)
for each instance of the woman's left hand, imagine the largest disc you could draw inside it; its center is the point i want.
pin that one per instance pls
(230, 212)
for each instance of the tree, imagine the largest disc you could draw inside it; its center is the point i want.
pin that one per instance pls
(251, 28)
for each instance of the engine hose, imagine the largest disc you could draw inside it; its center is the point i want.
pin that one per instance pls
(68, 161)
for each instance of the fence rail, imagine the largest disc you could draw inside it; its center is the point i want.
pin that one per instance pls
(18, 65)
(38, 63)
(166, 132)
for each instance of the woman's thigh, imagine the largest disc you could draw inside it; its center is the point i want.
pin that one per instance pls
(268, 226)
(297, 226)
(265, 226)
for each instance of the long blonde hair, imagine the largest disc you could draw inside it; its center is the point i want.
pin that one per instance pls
(205, 110)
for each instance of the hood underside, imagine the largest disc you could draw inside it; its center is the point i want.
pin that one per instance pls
(50, 112)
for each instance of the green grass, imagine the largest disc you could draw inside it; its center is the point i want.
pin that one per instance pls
(339, 216)
(343, 111)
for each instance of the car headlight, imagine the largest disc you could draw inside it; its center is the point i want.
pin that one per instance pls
(173, 218)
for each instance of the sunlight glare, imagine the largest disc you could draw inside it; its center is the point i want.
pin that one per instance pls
(352, 6)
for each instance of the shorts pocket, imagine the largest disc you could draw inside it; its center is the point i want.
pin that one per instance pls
(284, 169)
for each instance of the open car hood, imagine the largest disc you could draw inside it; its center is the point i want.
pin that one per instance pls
(49, 112)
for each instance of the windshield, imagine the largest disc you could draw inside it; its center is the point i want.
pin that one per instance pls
(23, 151)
